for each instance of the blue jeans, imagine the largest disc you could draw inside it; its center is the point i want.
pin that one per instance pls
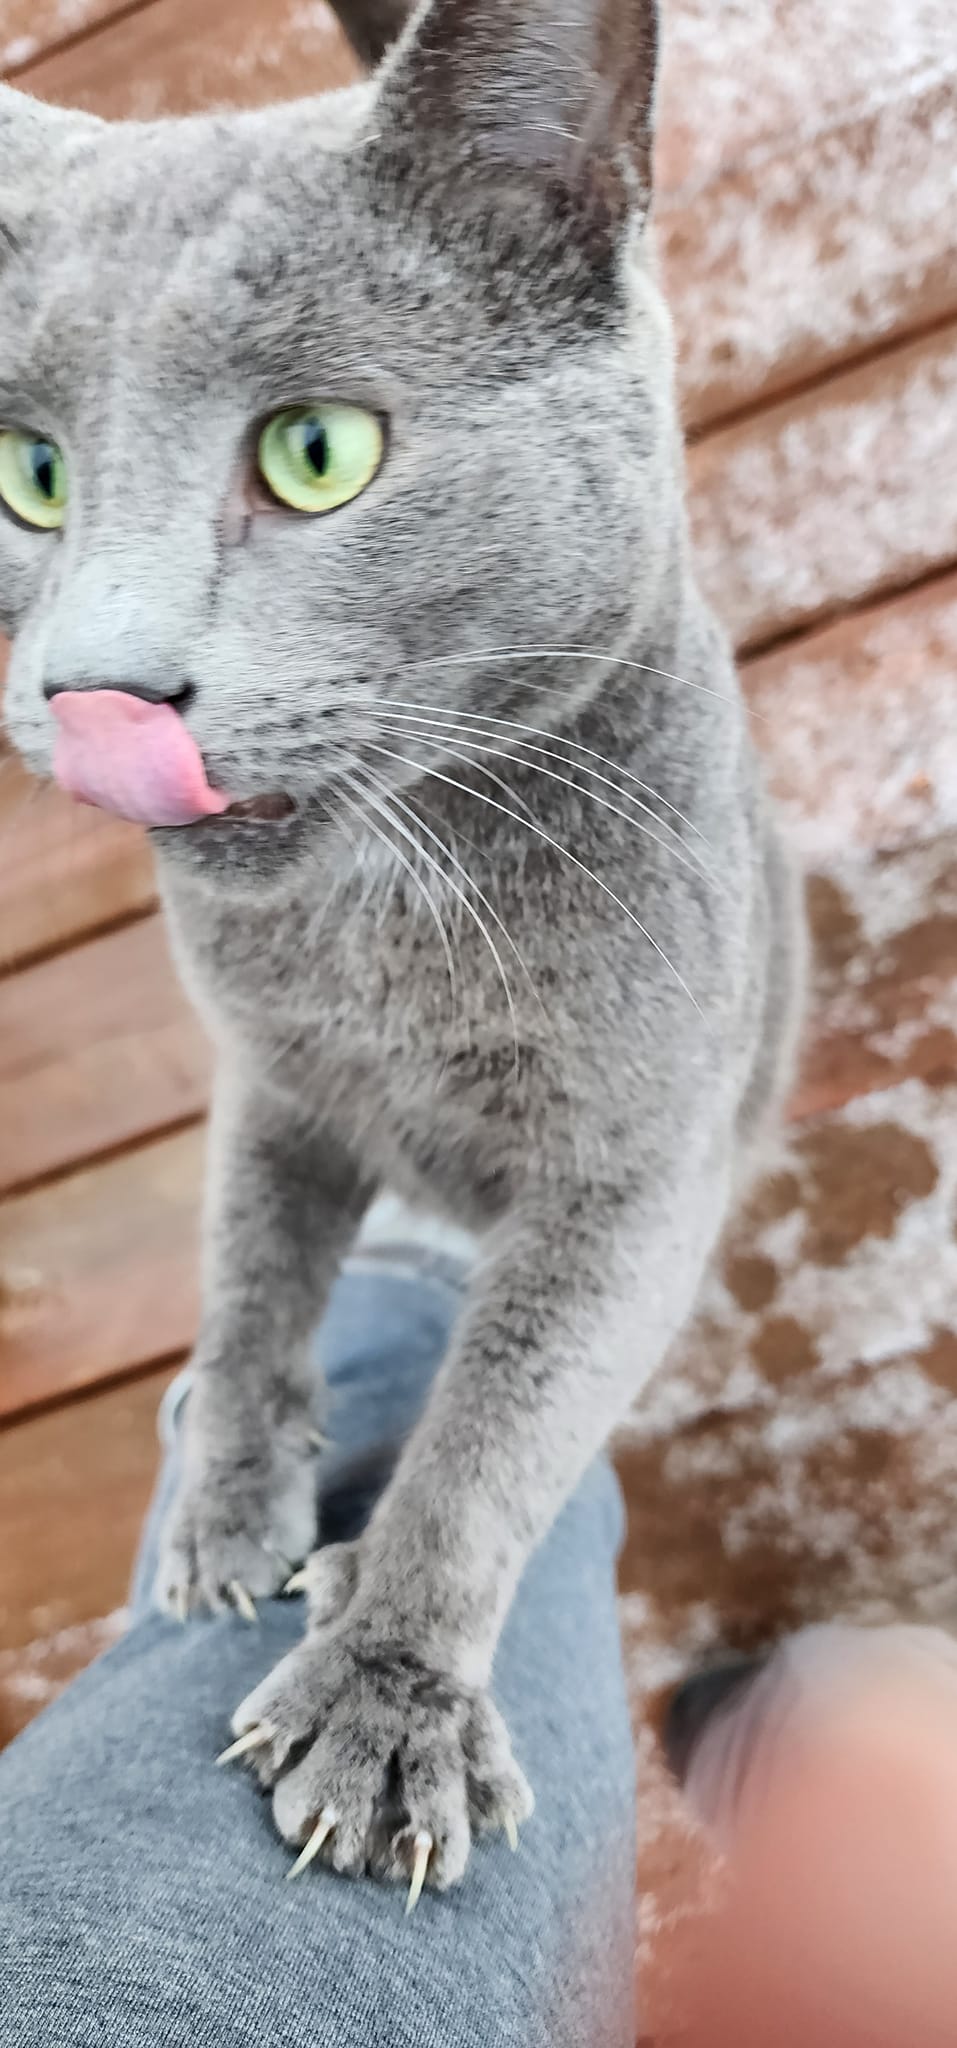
(141, 1891)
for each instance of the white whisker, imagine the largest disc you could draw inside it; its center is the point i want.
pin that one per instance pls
(683, 859)
(561, 739)
(468, 878)
(366, 796)
(540, 833)
(607, 656)
(467, 905)
(499, 780)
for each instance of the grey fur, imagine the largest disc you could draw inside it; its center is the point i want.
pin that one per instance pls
(461, 244)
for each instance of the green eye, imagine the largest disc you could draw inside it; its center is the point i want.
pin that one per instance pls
(32, 478)
(315, 457)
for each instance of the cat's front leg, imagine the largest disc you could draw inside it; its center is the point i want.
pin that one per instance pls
(378, 1733)
(282, 1205)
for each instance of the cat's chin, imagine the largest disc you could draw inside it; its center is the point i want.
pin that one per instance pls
(252, 848)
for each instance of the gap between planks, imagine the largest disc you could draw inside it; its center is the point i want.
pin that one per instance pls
(791, 639)
(906, 335)
(60, 46)
(75, 1397)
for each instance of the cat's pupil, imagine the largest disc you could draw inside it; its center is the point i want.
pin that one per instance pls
(315, 446)
(43, 469)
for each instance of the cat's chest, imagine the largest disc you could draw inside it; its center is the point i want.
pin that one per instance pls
(352, 989)
(356, 1021)
(329, 1001)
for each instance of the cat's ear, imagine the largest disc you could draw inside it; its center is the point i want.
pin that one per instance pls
(514, 96)
(36, 146)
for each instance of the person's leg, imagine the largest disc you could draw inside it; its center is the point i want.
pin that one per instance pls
(143, 1898)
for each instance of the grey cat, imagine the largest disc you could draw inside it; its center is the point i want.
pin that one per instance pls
(347, 547)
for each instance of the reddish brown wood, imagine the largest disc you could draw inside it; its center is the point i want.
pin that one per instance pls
(884, 997)
(857, 723)
(64, 869)
(748, 84)
(800, 215)
(29, 27)
(98, 1272)
(98, 1047)
(845, 249)
(832, 497)
(177, 58)
(74, 1485)
(31, 1677)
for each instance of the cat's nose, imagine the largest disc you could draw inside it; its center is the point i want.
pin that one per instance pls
(176, 690)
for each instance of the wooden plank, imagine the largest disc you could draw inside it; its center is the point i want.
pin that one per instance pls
(28, 27)
(98, 1047)
(831, 497)
(857, 723)
(799, 176)
(31, 1677)
(785, 267)
(75, 1485)
(64, 869)
(93, 1461)
(177, 58)
(98, 1273)
(742, 82)
(883, 1005)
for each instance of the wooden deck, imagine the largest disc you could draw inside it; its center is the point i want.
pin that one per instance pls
(806, 210)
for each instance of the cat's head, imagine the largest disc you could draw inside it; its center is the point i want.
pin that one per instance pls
(311, 412)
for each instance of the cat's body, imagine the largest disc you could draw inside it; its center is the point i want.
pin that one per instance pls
(336, 995)
(496, 657)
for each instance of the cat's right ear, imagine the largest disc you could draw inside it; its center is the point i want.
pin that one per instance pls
(526, 106)
(36, 144)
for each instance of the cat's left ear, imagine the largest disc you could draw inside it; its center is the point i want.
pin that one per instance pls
(505, 99)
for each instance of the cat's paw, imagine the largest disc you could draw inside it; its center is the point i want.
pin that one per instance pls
(377, 1762)
(234, 1534)
(328, 1578)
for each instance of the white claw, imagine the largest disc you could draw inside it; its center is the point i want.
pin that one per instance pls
(179, 1603)
(254, 1738)
(298, 1583)
(423, 1846)
(319, 1441)
(511, 1831)
(242, 1601)
(321, 1832)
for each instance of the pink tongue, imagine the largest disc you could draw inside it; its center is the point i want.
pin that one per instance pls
(130, 757)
